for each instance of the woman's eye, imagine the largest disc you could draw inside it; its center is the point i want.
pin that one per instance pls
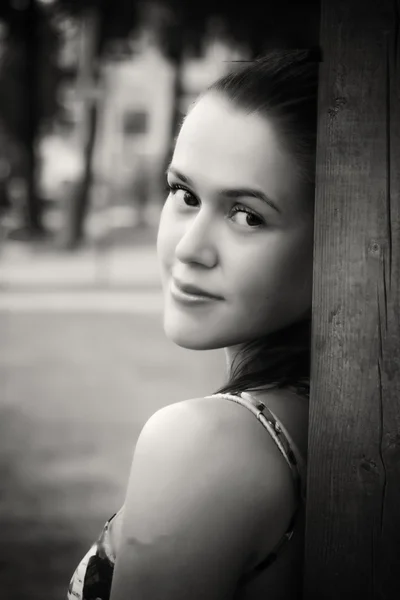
(243, 216)
(182, 195)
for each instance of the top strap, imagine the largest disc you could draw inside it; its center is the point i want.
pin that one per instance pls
(293, 458)
(279, 434)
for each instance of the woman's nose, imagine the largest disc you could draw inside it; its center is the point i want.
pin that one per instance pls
(197, 244)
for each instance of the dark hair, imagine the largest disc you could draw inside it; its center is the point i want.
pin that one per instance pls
(282, 86)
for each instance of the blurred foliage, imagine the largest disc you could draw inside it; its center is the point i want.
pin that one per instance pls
(29, 77)
(29, 73)
(254, 24)
(265, 24)
(117, 18)
(182, 25)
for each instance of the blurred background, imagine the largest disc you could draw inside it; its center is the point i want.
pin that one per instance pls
(91, 96)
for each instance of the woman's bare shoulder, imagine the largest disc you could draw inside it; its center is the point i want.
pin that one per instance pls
(221, 422)
(226, 433)
(217, 450)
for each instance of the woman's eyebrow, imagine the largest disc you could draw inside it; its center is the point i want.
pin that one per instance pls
(241, 192)
(230, 193)
(179, 175)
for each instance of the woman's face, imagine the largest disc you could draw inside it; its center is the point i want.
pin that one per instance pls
(233, 225)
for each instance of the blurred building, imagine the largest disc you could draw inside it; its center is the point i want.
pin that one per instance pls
(134, 123)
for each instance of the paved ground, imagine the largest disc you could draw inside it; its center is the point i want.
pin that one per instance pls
(22, 268)
(77, 383)
(119, 279)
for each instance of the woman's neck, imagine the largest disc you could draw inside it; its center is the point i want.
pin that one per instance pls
(231, 352)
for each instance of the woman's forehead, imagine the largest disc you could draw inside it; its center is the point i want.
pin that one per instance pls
(215, 124)
(225, 145)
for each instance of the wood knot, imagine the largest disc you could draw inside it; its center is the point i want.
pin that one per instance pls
(374, 248)
(338, 104)
(392, 448)
(333, 313)
(368, 474)
(368, 464)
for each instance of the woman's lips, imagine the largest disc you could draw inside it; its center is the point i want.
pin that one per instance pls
(184, 292)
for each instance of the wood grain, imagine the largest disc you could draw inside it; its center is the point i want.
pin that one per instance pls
(353, 509)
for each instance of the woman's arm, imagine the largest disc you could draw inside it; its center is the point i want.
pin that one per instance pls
(206, 482)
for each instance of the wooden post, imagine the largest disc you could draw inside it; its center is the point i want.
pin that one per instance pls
(353, 509)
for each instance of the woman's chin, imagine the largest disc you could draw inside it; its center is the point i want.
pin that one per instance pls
(190, 339)
(188, 342)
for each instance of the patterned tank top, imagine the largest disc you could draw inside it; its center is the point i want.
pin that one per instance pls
(93, 576)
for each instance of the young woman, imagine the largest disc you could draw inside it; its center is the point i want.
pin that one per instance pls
(215, 502)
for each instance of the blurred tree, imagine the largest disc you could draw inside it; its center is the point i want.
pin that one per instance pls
(107, 26)
(29, 77)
